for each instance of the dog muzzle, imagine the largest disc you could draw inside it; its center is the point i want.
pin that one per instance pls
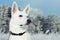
(28, 22)
(19, 34)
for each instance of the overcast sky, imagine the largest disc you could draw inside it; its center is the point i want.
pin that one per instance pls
(46, 6)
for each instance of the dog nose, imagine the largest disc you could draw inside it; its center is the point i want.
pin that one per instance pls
(28, 21)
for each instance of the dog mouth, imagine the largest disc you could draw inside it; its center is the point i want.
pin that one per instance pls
(21, 25)
(28, 22)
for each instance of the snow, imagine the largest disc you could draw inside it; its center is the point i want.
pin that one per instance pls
(40, 36)
(4, 36)
(51, 36)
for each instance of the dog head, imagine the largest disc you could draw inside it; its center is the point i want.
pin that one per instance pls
(20, 17)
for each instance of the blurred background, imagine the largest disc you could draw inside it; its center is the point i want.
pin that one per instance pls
(44, 14)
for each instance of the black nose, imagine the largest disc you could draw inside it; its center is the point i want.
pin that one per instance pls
(28, 21)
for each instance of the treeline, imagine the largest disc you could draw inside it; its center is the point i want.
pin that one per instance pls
(39, 24)
(48, 24)
(5, 14)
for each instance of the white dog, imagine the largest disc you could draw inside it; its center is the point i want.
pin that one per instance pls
(18, 20)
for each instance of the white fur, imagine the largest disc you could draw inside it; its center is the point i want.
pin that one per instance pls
(16, 21)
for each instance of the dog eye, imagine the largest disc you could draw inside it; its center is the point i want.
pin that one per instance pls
(20, 16)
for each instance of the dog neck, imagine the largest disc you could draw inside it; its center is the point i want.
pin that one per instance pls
(17, 30)
(15, 34)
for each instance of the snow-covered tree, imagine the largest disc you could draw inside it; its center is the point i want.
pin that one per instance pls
(4, 18)
(54, 22)
(35, 26)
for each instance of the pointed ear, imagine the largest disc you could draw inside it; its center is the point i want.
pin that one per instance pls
(14, 7)
(27, 9)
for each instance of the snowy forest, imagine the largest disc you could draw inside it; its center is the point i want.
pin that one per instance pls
(40, 24)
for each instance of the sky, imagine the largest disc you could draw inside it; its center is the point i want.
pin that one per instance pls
(46, 6)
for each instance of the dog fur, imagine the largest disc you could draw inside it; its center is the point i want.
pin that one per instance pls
(16, 21)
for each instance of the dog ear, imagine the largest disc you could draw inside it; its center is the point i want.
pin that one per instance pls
(14, 7)
(27, 9)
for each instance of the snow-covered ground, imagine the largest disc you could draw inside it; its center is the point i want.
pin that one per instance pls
(4, 36)
(51, 36)
(40, 36)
